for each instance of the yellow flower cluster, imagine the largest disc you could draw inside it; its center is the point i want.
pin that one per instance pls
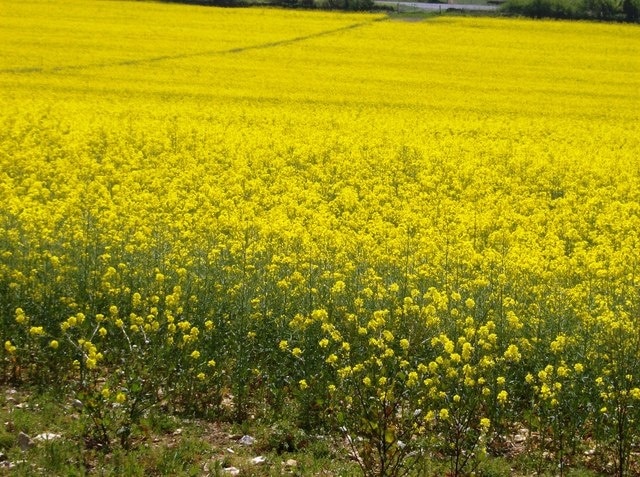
(445, 213)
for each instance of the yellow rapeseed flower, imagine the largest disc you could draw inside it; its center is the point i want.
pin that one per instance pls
(9, 347)
(502, 396)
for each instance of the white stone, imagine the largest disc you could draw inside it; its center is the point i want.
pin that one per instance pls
(46, 436)
(247, 440)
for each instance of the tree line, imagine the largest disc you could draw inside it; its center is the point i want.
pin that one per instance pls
(606, 10)
(609, 10)
(353, 5)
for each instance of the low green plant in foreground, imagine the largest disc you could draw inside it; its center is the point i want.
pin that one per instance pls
(161, 444)
(59, 442)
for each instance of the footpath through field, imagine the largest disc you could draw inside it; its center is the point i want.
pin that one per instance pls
(437, 7)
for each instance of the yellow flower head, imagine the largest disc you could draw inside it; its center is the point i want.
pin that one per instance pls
(404, 344)
(503, 396)
(21, 318)
(332, 358)
(9, 347)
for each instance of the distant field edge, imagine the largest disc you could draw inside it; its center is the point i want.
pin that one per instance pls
(599, 10)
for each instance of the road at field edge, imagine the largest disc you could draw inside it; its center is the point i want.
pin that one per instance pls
(437, 7)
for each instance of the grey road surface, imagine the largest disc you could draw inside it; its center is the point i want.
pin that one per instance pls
(436, 7)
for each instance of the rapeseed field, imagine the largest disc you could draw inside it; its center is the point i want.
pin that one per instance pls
(422, 235)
